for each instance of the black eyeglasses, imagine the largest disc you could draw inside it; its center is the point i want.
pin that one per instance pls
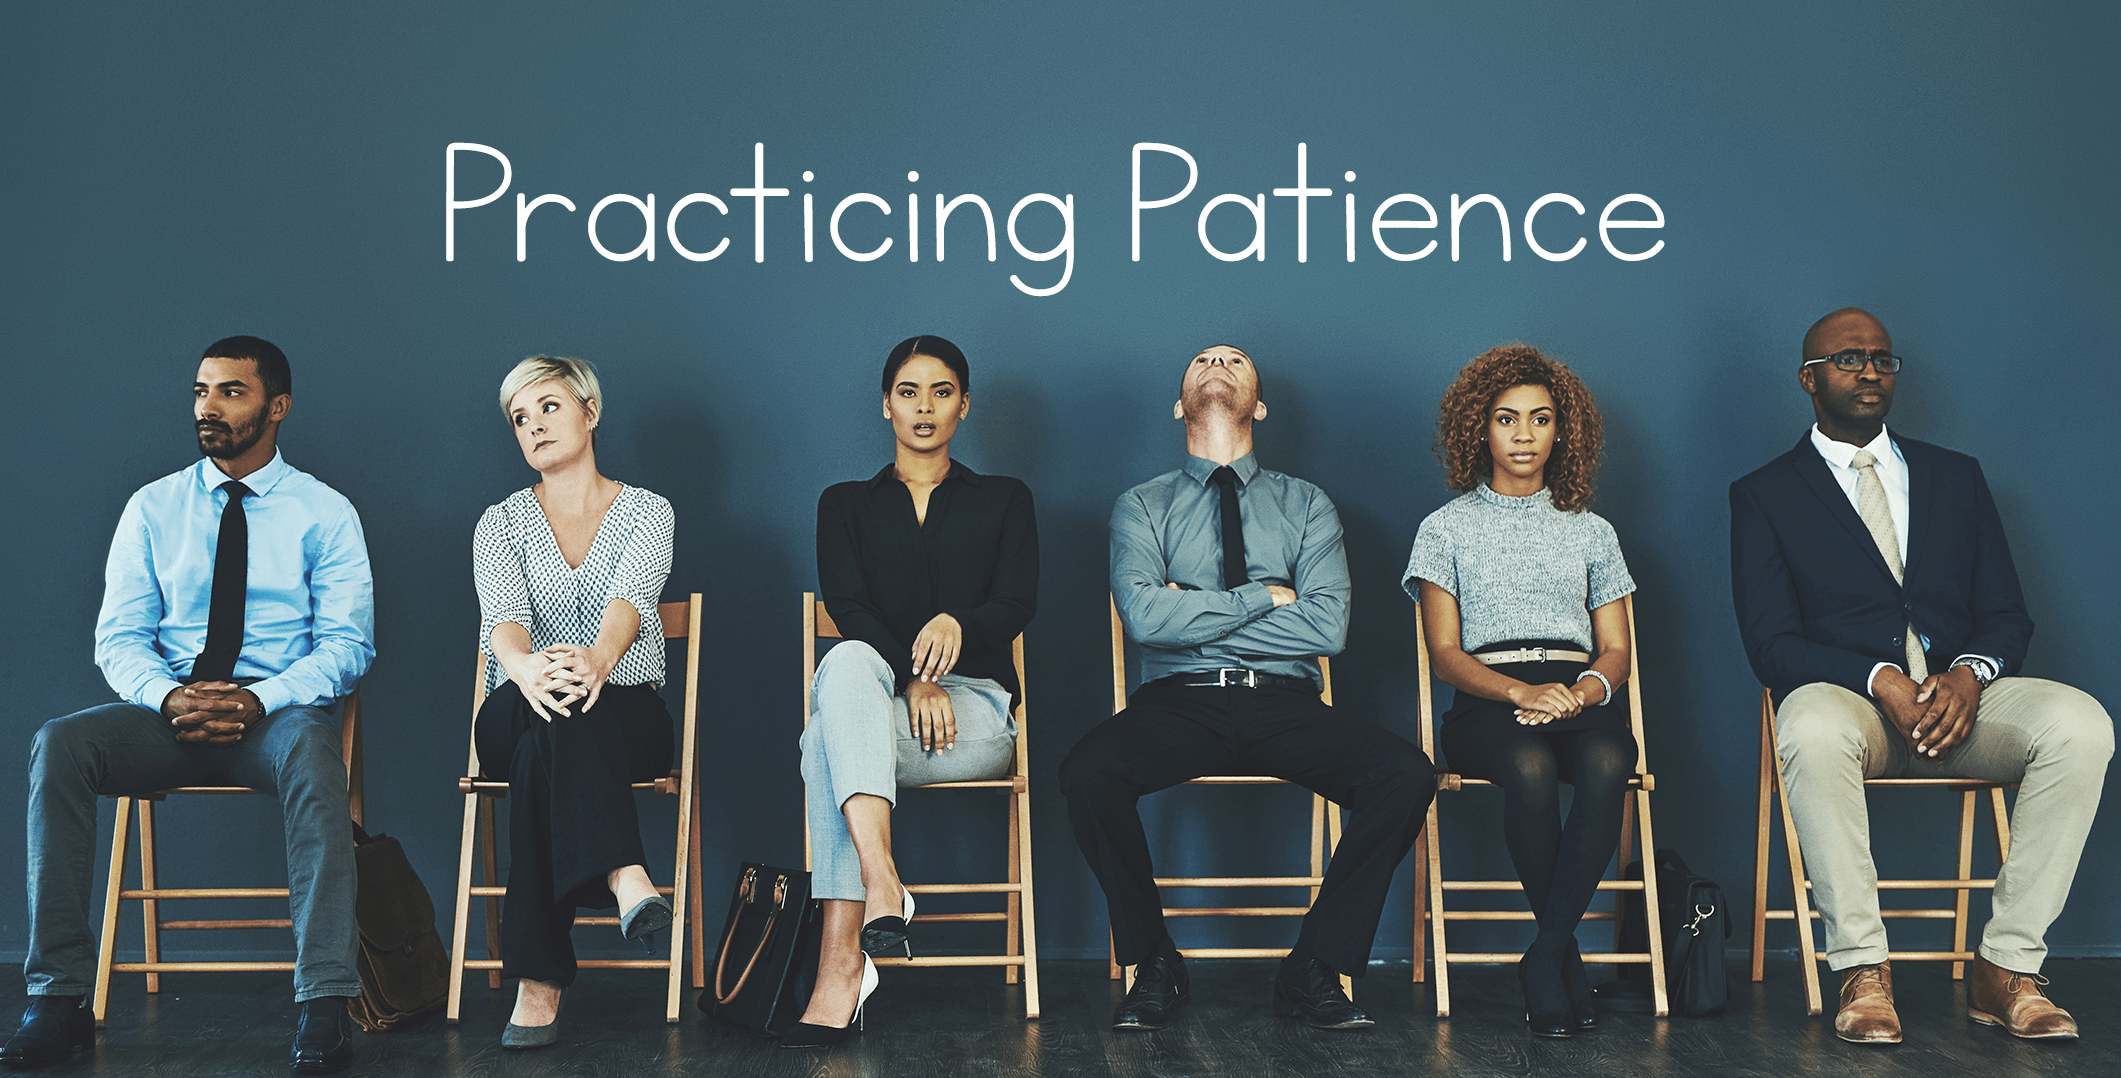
(1852, 361)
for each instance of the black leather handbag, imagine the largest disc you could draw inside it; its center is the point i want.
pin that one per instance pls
(767, 964)
(1696, 920)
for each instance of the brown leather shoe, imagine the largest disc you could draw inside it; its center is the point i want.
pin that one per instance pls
(1998, 997)
(1867, 1015)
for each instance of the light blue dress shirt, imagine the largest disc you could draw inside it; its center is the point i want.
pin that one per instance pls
(308, 614)
(1169, 531)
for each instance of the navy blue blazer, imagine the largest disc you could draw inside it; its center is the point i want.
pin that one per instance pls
(1815, 599)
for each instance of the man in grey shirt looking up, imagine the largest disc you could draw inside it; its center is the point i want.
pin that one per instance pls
(1232, 581)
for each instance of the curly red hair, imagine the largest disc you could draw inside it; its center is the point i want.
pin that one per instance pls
(1462, 423)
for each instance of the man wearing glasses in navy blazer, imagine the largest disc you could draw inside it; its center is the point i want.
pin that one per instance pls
(1877, 600)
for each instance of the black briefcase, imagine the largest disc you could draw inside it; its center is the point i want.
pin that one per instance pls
(767, 964)
(1693, 913)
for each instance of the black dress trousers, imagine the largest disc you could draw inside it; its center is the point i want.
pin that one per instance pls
(571, 815)
(1169, 734)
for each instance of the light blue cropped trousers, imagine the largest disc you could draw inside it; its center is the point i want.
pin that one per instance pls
(859, 741)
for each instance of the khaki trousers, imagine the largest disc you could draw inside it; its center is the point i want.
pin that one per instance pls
(2051, 738)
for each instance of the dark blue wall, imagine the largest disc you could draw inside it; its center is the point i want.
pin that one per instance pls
(175, 174)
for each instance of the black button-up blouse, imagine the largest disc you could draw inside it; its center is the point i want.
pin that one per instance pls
(883, 574)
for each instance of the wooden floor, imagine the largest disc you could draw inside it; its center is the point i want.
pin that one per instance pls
(941, 1022)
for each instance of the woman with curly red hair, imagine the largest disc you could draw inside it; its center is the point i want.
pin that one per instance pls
(1520, 587)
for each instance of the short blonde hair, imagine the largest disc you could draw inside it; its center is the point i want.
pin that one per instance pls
(576, 374)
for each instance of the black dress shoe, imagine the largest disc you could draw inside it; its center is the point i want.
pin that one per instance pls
(323, 1037)
(1583, 1004)
(53, 1028)
(1160, 989)
(1309, 989)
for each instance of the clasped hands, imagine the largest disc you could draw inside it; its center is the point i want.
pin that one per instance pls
(1538, 705)
(1935, 715)
(554, 679)
(211, 712)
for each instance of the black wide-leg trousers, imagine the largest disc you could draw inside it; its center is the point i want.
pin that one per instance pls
(571, 813)
(1170, 734)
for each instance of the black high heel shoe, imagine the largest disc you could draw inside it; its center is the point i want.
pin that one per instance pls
(805, 1035)
(1583, 1005)
(888, 933)
(1546, 1009)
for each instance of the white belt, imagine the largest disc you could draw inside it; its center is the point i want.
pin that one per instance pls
(1531, 655)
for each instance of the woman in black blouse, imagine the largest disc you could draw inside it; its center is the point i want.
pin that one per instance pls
(930, 570)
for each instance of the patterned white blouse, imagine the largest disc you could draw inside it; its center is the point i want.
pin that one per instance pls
(521, 577)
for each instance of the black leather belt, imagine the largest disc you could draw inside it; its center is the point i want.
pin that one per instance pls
(1234, 677)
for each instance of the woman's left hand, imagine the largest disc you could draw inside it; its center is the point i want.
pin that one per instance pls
(935, 649)
(581, 667)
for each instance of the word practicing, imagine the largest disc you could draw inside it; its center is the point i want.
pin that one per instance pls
(758, 193)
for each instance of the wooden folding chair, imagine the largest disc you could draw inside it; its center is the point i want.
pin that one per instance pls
(1325, 838)
(1635, 814)
(681, 621)
(1800, 884)
(1019, 955)
(150, 896)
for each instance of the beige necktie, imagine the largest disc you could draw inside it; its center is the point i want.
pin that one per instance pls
(1870, 505)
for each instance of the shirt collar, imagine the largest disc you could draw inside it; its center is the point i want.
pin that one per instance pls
(1840, 454)
(957, 471)
(1200, 468)
(260, 482)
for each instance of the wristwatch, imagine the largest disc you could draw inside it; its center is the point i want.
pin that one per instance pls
(1984, 673)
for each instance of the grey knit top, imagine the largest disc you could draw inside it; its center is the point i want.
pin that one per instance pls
(1519, 568)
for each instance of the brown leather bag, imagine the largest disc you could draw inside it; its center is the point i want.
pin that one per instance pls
(404, 968)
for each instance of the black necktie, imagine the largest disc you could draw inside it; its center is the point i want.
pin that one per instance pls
(224, 618)
(1235, 571)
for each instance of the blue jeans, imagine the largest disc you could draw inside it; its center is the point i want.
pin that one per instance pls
(125, 749)
(858, 741)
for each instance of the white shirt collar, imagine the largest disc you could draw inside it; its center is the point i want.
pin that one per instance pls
(1840, 454)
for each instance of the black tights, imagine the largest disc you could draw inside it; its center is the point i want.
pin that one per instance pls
(1559, 863)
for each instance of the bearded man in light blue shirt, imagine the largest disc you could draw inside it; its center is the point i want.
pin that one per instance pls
(238, 613)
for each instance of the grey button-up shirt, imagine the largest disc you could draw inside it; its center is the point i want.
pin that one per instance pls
(1169, 531)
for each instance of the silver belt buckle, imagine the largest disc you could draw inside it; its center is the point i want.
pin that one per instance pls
(1249, 681)
(1539, 655)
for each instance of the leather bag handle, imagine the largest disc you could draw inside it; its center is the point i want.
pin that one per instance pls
(749, 895)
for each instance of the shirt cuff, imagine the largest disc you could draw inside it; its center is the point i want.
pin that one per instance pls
(155, 691)
(1870, 683)
(1257, 599)
(272, 696)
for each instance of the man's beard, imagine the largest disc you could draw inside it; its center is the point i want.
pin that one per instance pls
(1200, 400)
(229, 443)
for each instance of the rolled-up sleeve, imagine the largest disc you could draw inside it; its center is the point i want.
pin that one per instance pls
(644, 565)
(497, 574)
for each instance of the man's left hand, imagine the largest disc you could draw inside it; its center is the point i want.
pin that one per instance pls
(1951, 699)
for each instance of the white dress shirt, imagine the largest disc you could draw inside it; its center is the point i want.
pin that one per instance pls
(1892, 474)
